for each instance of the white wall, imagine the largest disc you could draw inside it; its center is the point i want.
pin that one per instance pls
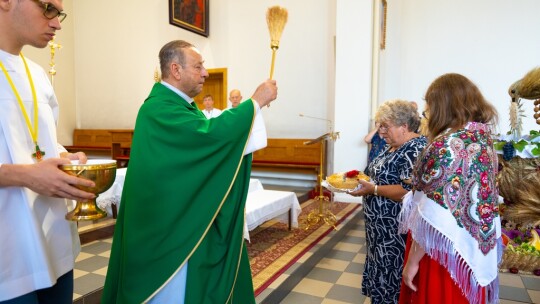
(105, 69)
(353, 84)
(492, 42)
(116, 54)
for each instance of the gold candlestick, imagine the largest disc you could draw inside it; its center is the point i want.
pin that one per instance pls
(53, 46)
(157, 76)
(323, 212)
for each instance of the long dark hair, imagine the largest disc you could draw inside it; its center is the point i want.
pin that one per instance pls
(452, 101)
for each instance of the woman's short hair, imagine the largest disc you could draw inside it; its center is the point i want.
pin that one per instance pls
(400, 113)
(453, 100)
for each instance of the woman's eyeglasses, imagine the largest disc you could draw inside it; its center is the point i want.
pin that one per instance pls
(425, 114)
(50, 11)
(384, 128)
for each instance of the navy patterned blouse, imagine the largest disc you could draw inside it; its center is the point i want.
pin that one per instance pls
(385, 246)
(377, 146)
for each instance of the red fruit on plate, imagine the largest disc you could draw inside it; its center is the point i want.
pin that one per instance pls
(513, 270)
(505, 239)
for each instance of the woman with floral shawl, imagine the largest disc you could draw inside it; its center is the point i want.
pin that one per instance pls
(452, 216)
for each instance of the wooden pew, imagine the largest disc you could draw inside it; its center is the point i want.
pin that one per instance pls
(114, 143)
(288, 155)
(121, 146)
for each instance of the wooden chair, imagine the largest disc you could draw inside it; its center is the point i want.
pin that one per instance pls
(121, 146)
(120, 154)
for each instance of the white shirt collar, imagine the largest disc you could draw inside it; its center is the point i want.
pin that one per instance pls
(177, 91)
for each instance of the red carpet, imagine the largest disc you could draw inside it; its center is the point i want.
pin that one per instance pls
(273, 248)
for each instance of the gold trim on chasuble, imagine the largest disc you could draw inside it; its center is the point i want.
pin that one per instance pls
(208, 227)
(242, 243)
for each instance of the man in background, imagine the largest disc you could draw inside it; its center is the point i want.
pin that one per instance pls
(235, 97)
(38, 245)
(209, 110)
(179, 233)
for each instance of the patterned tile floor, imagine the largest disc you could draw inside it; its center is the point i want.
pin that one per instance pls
(330, 273)
(337, 276)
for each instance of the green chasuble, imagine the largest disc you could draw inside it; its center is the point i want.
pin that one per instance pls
(184, 199)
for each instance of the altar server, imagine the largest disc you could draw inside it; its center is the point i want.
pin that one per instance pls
(179, 233)
(209, 111)
(38, 246)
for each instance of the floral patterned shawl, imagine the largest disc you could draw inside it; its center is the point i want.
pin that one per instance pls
(453, 212)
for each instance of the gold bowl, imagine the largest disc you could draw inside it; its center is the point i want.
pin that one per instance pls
(102, 172)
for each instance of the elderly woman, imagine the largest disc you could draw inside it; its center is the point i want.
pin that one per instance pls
(390, 175)
(452, 216)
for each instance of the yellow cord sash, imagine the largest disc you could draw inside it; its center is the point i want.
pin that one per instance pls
(33, 130)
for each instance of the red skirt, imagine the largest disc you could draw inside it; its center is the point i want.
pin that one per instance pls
(433, 283)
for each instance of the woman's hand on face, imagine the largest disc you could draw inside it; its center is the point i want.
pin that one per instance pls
(366, 189)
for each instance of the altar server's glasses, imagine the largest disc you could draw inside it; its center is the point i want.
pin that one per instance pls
(50, 11)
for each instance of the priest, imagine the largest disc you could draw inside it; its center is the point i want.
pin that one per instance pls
(179, 233)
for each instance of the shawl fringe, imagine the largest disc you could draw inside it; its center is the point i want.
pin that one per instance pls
(441, 249)
(404, 217)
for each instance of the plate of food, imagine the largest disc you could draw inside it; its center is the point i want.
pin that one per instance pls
(345, 181)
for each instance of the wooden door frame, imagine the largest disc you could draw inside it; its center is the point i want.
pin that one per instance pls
(221, 101)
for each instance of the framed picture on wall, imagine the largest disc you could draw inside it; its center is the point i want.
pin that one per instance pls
(382, 10)
(191, 15)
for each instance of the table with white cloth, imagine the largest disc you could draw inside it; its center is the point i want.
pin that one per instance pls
(261, 205)
(264, 205)
(255, 185)
(112, 196)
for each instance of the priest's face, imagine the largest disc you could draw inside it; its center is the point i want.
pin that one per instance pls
(31, 24)
(193, 74)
